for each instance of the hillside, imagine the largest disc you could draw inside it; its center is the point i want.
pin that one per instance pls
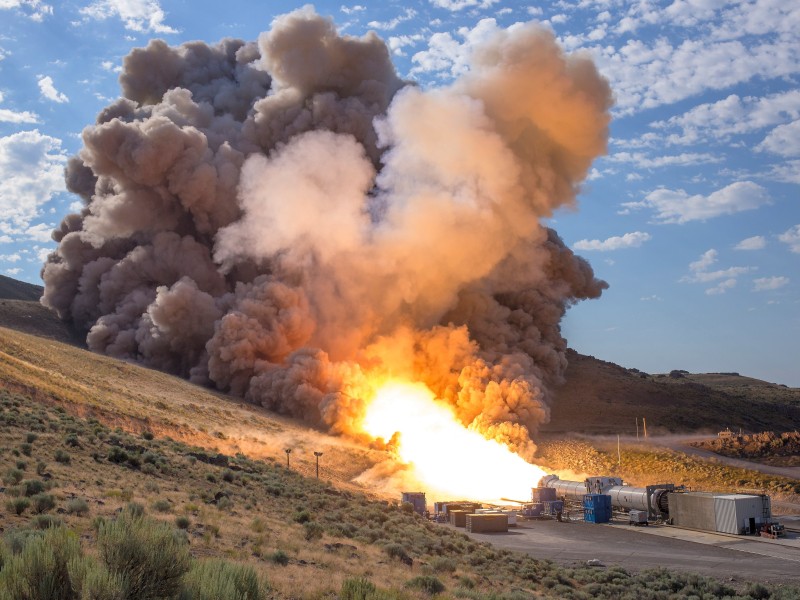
(12, 289)
(602, 397)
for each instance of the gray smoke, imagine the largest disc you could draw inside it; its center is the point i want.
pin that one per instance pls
(290, 222)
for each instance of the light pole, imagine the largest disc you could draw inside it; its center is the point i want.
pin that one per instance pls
(317, 454)
(288, 452)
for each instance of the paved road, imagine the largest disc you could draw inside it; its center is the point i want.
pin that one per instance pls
(719, 556)
(681, 443)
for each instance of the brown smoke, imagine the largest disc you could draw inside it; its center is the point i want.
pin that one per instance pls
(289, 220)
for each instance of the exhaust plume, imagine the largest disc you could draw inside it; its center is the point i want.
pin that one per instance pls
(289, 221)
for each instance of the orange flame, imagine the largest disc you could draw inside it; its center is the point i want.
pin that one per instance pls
(446, 458)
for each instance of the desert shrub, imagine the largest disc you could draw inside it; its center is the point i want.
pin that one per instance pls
(302, 516)
(42, 503)
(18, 505)
(13, 476)
(426, 583)
(443, 564)
(144, 554)
(279, 557)
(757, 591)
(46, 522)
(258, 525)
(26, 449)
(77, 506)
(92, 581)
(31, 437)
(134, 509)
(31, 487)
(20, 464)
(224, 503)
(117, 455)
(148, 435)
(40, 570)
(62, 457)
(72, 440)
(182, 522)
(407, 507)
(228, 476)
(357, 589)
(162, 505)
(397, 551)
(313, 531)
(149, 469)
(213, 579)
(41, 468)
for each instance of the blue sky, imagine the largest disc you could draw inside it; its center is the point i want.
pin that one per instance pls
(693, 217)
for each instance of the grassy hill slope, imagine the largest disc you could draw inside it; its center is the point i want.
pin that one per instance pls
(13, 289)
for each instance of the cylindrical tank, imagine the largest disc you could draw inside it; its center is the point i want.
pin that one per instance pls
(571, 490)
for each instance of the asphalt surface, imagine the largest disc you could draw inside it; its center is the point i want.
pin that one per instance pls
(636, 548)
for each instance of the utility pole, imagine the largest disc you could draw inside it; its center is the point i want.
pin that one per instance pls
(288, 452)
(619, 454)
(317, 454)
(637, 429)
(644, 424)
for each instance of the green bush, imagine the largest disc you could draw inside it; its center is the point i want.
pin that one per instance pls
(18, 505)
(182, 522)
(31, 437)
(302, 516)
(279, 557)
(398, 552)
(26, 449)
(77, 506)
(13, 476)
(40, 570)
(92, 581)
(42, 503)
(144, 554)
(443, 564)
(62, 457)
(313, 531)
(162, 505)
(426, 583)
(216, 579)
(357, 589)
(31, 487)
(46, 522)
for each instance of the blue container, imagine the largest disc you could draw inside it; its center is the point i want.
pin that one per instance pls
(597, 508)
(552, 507)
(533, 510)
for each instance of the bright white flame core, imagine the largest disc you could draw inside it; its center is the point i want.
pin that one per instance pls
(446, 457)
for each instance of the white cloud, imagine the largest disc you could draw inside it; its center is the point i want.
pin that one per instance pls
(617, 242)
(708, 258)
(764, 284)
(14, 271)
(643, 161)
(676, 206)
(10, 257)
(456, 5)
(653, 298)
(32, 172)
(650, 74)
(783, 140)
(144, 16)
(788, 172)
(445, 54)
(727, 278)
(791, 237)
(49, 91)
(731, 116)
(35, 10)
(351, 9)
(757, 242)
(391, 24)
(11, 116)
(41, 232)
(42, 253)
(721, 287)
(398, 42)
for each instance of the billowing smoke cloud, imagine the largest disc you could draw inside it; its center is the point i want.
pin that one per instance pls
(290, 221)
